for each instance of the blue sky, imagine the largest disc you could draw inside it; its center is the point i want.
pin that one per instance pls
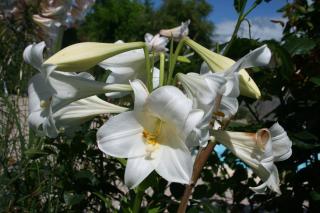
(224, 17)
(223, 10)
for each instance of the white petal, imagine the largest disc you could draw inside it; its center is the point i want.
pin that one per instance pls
(38, 93)
(281, 143)
(258, 57)
(132, 58)
(49, 126)
(155, 78)
(121, 75)
(169, 104)
(256, 151)
(198, 90)
(33, 54)
(121, 136)
(140, 94)
(83, 110)
(137, 169)
(229, 106)
(194, 117)
(148, 37)
(175, 163)
(272, 182)
(69, 87)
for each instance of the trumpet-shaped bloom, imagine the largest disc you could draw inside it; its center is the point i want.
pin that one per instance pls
(178, 32)
(128, 66)
(153, 135)
(259, 150)
(67, 87)
(219, 63)
(234, 72)
(51, 93)
(203, 88)
(156, 43)
(202, 91)
(49, 121)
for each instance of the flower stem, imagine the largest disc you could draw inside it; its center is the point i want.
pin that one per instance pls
(162, 62)
(173, 61)
(242, 16)
(148, 68)
(199, 163)
(137, 201)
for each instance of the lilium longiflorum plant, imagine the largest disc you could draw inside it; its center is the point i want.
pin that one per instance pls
(167, 122)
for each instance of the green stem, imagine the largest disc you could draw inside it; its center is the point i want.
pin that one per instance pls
(152, 67)
(235, 31)
(174, 60)
(149, 77)
(162, 62)
(57, 45)
(137, 201)
(242, 16)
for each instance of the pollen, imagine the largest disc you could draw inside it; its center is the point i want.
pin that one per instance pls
(44, 104)
(152, 140)
(150, 137)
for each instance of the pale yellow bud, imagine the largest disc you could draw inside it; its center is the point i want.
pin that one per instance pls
(219, 63)
(83, 56)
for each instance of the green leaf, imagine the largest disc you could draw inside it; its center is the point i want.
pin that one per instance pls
(72, 199)
(154, 210)
(303, 145)
(315, 80)
(35, 153)
(104, 199)
(239, 4)
(298, 46)
(315, 196)
(283, 59)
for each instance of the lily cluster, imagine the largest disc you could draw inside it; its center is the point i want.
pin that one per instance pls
(166, 121)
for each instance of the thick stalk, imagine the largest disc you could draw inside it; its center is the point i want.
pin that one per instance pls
(148, 69)
(199, 163)
(58, 43)
(162, 62)
(235, 31)
(173, 61)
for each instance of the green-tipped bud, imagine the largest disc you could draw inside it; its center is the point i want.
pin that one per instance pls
(83, 56)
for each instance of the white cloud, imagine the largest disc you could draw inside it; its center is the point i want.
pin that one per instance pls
(261, 28)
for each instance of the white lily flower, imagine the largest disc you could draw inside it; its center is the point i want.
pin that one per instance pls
(52, 92)
(49, 120)
(178, 32)
(256, 58)
(127, 66)
(202, 91)
(67, 87)
(259, 150)
(153, 135)
(219, 63)
(156, 43)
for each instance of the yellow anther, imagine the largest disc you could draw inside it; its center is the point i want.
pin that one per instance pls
(151, 138)
(44, 104)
